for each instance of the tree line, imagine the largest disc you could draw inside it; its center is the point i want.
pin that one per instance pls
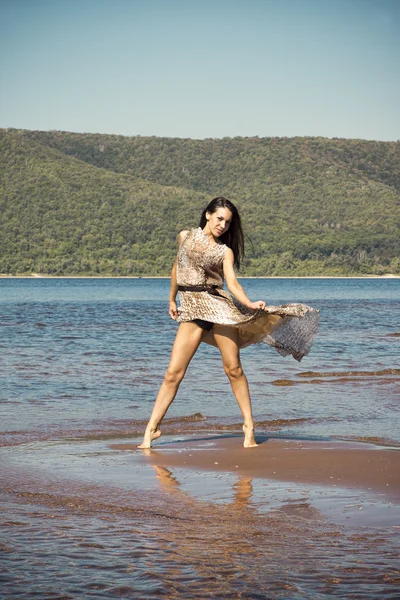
(91, 204)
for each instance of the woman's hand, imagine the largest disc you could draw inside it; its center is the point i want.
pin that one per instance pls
(259, 305)
(173, 310)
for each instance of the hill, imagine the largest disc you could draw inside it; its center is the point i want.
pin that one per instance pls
(63, 216)
(101, 204)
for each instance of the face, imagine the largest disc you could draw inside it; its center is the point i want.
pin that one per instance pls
(219, 221)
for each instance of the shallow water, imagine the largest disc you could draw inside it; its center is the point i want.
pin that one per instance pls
(91, 353)
(80, 520)
(81, 362)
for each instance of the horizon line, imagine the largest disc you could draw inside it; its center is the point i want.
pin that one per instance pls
(247, 137)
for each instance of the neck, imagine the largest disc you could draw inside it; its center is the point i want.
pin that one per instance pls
(208, 233)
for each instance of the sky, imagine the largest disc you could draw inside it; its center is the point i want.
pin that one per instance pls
(202, 68)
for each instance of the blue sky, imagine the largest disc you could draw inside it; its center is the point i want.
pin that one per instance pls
(209, 68)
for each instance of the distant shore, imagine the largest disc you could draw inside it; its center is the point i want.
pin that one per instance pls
(43, 276)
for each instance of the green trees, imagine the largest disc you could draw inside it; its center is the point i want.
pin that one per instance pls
(113, 205)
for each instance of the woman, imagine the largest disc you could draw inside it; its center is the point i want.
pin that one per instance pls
(208, 314)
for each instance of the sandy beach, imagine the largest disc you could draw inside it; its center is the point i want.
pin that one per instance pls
(353, 465)
(351, 476)
(199, 515)
(335, 479)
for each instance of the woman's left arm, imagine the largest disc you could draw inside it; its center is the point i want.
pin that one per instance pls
(234, 286)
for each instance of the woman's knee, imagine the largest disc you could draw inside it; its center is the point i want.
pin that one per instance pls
(234, 371)
(173, 376)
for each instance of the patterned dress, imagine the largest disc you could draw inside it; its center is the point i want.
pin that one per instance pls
(289, 328)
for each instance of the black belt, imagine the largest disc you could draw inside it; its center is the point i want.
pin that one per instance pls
(211, 289)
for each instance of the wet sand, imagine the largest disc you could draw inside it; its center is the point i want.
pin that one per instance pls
(199, 516)
(332, 462)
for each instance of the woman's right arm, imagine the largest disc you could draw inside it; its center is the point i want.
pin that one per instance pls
(173, 309)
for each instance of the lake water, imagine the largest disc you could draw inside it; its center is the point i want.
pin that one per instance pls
(81, 363)
(90, 354)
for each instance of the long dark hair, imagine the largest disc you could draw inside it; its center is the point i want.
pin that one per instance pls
(233, 238)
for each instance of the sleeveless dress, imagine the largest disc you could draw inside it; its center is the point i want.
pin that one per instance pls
(289, 328)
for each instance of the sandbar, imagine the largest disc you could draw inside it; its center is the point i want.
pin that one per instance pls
(321, 462)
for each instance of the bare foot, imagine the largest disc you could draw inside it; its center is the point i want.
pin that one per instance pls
(249, 441)
(149, 435)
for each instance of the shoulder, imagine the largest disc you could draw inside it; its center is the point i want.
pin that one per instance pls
(182, 235)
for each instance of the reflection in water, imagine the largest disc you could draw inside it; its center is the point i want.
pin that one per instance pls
(242, 494)
(168, 482)
(87, 540)
(242, 489)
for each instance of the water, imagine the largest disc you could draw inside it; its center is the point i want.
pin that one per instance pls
(81, 363)
(89, 354)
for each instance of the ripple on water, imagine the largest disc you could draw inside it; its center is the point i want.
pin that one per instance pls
(96, 539)
(74, 336)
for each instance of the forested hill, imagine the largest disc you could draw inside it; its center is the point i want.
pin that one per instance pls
(104, 204)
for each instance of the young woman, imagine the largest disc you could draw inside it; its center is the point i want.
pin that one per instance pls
(206, 256)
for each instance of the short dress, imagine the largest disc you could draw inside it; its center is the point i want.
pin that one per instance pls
(289, 328)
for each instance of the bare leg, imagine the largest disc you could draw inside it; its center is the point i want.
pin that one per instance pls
(187, 341)
(243, 490)
(226, 340)
(168, 482)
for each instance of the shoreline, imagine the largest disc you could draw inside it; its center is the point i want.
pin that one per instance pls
(352, 465)
(327, 479)
(82, 513)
